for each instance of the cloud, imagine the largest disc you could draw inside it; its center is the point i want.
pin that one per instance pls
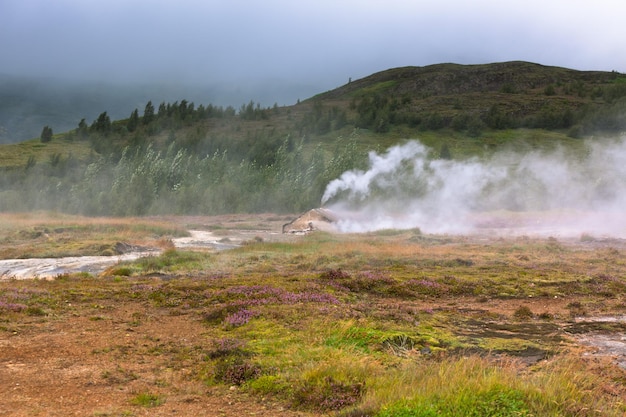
(326, 40)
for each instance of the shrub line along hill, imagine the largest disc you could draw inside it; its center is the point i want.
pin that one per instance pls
(180, 158)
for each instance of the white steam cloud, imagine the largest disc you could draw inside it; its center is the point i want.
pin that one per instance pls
(557, 193)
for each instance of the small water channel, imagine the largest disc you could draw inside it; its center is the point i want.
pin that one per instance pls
(605, 335)
(51, 267)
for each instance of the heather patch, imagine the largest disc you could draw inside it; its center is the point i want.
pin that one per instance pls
(364, 281)
(237, 303)
(13, 307)
(427, 287)
(30, 300)
(241, 317)
(327, 394)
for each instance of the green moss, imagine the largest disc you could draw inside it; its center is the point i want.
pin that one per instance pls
(145, 399)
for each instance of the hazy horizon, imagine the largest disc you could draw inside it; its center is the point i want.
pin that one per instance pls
(277, 51)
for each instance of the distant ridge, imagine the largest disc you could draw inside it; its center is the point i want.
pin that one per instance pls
(468, 98)
(452, 78)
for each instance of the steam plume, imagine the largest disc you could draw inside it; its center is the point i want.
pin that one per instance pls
(559, 193)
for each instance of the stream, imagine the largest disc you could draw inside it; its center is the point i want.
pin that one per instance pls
(587, 331)
(48, 268)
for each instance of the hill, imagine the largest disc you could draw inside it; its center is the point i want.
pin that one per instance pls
(185, 158)
(497, 96)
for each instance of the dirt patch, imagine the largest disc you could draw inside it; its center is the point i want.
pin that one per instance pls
(99, 357)
(98, 363)
(98, 354)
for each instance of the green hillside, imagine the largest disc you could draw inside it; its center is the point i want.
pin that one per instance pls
(186, 158)
(473, 98)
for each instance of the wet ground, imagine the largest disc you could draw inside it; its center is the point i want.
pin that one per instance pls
(604, 336)
(52, 267)
(47, 268)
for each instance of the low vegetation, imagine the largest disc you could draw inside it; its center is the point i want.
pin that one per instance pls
(54, 235)
(183, 158)
(393, 323)
(348, 325)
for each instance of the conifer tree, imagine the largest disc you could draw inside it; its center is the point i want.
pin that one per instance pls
(133, 121)
(46, 134)
(148, 113)
(102, 123)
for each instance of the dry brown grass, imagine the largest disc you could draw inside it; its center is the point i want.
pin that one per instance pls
(44, 234)
(375, 321)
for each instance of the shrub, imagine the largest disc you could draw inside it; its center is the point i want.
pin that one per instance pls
(235, 371)
(227, 347)
(426, 287)
(333, 274)
(371, 282)
(218, 314)
(327, 395)
(523, 313)
(122, 271)
(15, 307)
(35, 311)
(240, 317)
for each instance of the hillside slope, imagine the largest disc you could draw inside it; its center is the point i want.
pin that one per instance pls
(179, 157)
(497, 96)
(447, 79)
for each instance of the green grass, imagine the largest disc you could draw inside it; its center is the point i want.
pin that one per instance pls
(17, 155)
(378, 88)
(171, 260)
(390, 333)
(145, 399)
(476, 387)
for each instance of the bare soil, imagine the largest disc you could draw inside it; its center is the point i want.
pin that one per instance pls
(97, 357)
(84, 365)
(95, 364)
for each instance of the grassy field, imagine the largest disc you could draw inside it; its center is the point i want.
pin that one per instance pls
(17, 155)
(393, 323)
(43, 234)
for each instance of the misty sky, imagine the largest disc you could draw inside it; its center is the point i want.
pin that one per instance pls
(318, 42)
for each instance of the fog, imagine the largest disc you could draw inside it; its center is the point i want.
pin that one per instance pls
(29, 103)
(276, 51)
(556, 193)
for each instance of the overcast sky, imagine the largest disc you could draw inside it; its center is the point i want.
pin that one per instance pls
(320, 42)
